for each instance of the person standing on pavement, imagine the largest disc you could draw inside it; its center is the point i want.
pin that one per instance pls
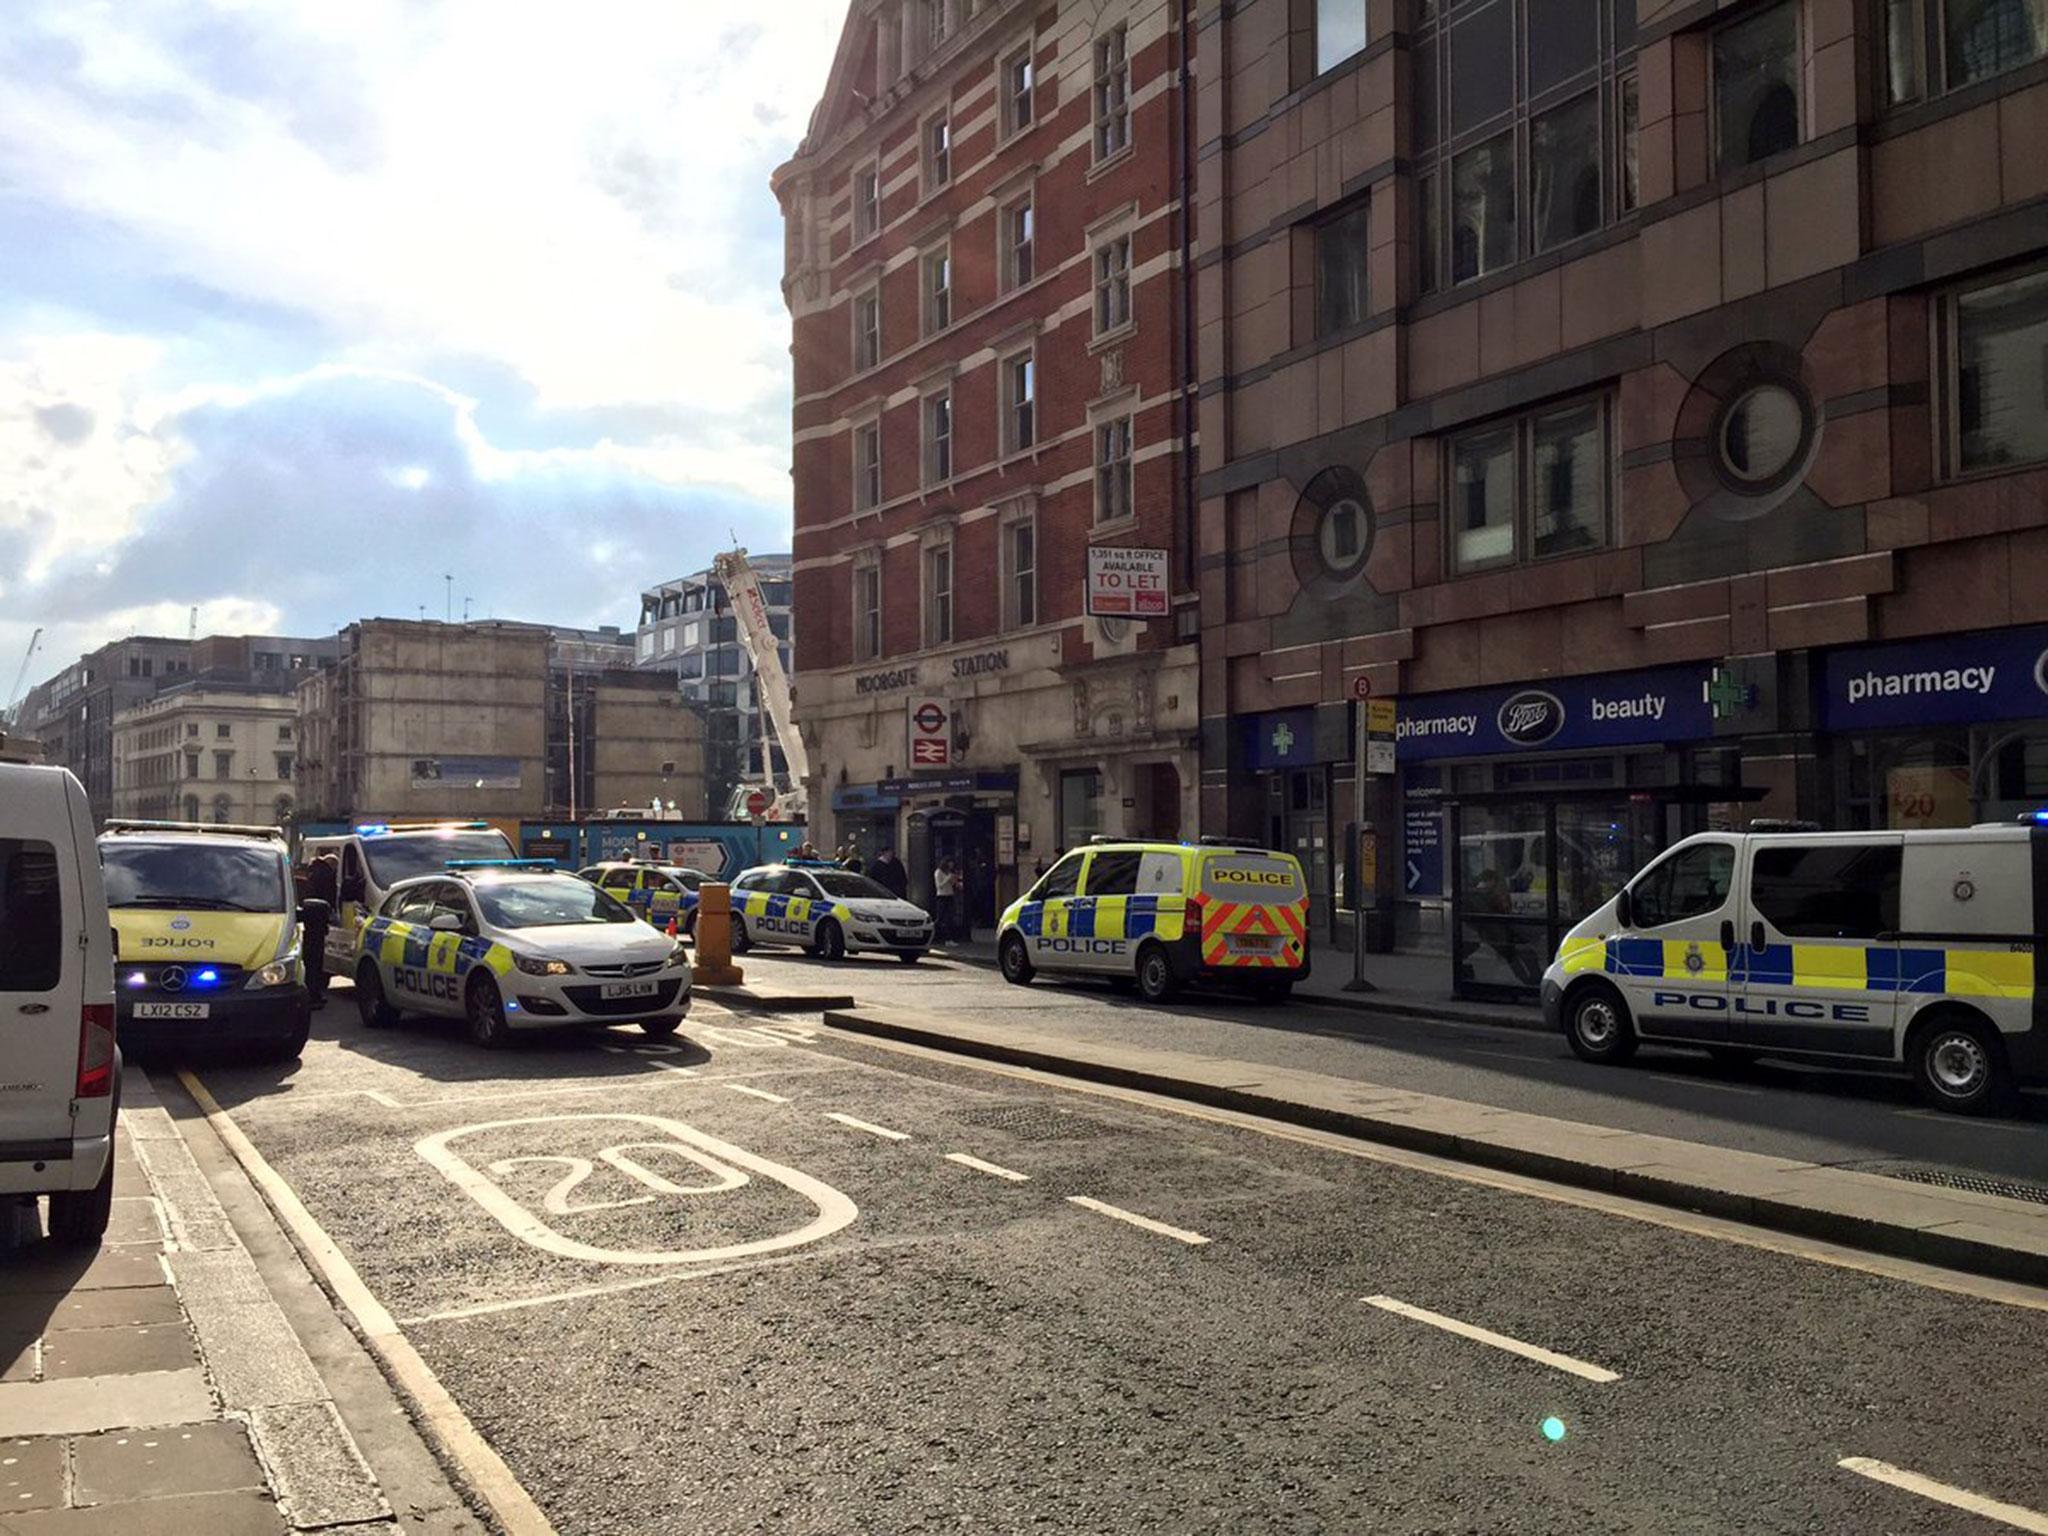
(945, 892)
(890, 874)
(323, 884)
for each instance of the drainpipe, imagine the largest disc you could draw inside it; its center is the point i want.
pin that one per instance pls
(1190, 517)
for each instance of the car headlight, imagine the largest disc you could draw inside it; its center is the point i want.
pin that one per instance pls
(533, 967)
(680, 954)
(278, 973)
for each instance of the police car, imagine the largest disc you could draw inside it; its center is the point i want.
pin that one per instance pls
(658, 892)
(374, 857)
(1916, 948)
(513, 945)
(1163, 915)
(830, 911)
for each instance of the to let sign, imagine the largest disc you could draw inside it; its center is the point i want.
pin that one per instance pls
(931, 733)
(1127, 583)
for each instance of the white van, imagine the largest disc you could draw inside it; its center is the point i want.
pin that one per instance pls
(60, 1073)
(372, 859)
(1917, 948)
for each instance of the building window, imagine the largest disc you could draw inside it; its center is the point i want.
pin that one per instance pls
(1530, 488)
(1342, 539)
(1998, 374)
(938, 291)
(646, 644)
(867, 466)
(867, 610)
(938, 437)
(1020, 402)
(1340, 31)
(223, 732)
(1112, 285)
(1020, 79)
(1020, 573)
(284, 733)
(1019, 231)
(1113, 470)
(867, 202)
(1756, 86)
(938, 595)
(1967, 40)
(935, 19)
(284, 765)
(1340, 270)
(1080, 809)
(1112, 94)
(191, 768)
(223, 765)
(1525, 130)
(192, 729)
(938, 154)
(867, 330)
(1761, 434)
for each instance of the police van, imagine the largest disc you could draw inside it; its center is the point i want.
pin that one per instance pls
(207, 936)
(375, 857)
(1164, 915)
(661, 893)
(833, 912)
(1916, 948)
(513, 945)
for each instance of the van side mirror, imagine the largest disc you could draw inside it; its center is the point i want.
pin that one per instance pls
(445, 922)
(1624, 909)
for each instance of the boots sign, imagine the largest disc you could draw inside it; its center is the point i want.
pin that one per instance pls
(1127, 583)
(931, 733)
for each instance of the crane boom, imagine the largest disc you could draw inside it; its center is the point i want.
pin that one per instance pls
(771, 683)
(13, 698)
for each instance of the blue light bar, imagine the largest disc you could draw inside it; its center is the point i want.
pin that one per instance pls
(503, 864)
(376, 829)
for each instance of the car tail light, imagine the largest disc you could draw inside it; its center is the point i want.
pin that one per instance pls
(95, 1050)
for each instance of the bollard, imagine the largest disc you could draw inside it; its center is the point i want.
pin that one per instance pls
(714, 967)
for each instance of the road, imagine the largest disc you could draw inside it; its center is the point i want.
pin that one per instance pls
(1856, 1119)
(769, 1279)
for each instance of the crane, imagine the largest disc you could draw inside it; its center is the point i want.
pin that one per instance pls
(771, 683)
(21, 676)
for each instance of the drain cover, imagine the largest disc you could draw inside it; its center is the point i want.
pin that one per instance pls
(1976, 1183)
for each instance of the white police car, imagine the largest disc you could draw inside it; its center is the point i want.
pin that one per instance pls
(828, 910)
(514, 946)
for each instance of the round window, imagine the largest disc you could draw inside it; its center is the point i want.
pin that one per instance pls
(1341, 536)
(1762, 433)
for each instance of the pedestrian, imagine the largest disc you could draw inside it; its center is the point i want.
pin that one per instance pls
(851, 860)
(323, 881)
(890, 874)
(945, 888)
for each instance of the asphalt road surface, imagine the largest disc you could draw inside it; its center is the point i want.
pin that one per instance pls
(1857, 1119)
(763, 1279)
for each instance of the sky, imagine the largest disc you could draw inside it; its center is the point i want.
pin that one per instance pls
(305, 306)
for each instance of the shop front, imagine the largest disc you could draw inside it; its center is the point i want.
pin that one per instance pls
(1301, 761)
(866, 817)
(968, 818)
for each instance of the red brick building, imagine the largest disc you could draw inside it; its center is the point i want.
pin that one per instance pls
(984, 257)
(1651, 396)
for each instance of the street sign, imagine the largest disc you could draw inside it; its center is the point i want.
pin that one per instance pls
(1380, 717)
(931, 733)
(1127, 583)
(758, 803)
(1361, 687)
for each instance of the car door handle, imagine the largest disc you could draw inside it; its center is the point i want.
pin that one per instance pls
(1728, 934)
(1756, 937)
(33, 1008)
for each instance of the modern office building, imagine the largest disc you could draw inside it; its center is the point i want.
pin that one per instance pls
(687, 632)
(984, 258)
(1652, 399)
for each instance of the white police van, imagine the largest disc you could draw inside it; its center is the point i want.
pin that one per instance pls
(1921, 948)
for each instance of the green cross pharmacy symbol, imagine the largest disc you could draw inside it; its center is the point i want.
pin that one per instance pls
(1727, 696)
(1283, 738)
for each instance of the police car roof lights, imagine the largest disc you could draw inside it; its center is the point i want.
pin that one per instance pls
(385, 829)
(542, 864)
(812, 864)
(2039, 818)
(215, 829)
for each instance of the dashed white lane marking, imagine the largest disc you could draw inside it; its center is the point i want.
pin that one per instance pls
(757, 1093)
(1961, 1122)
(1117, 1212)
(1942, 1493)
(995, 1168)
(1534, 1352)
(872, 1130)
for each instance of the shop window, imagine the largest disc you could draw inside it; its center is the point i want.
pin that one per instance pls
(1340, 270)
(1530, 489)
(1340, 32)
(1835, 891)
(1935, 45)
(1998, 374)
(1689, 883)
(1756, 86)
(1525, 127)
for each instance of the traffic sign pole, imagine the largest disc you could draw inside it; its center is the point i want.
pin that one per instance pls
(1364, 897)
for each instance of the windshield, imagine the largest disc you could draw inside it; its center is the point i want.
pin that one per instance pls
(689, 879)
(222, 877)
(548, 903)
(393, 859)
(839, 883)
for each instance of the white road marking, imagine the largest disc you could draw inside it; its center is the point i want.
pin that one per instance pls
(1704, 1082)
(1534, 1352)
(1939, 1117)
(445, 1420)
(980, 1167)
(757, 1093)
(872, 1130)
(584, 1292)
(1942, 1493)
(1178, 1234)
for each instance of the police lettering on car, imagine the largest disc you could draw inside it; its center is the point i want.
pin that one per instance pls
(1162, 915)
(816, 905)
(1914, 948)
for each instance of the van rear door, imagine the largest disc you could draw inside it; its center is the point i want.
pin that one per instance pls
(42, 966)
(1254, 910)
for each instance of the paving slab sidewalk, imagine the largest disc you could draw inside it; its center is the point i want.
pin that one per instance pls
(1958, 1229)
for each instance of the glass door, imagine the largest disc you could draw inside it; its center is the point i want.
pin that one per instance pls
(1501, 885)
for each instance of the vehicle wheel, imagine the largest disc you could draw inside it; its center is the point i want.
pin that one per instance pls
(740, 942)
(659, 1029)
(290, 1047)
(1733, 1055)
(910, 956)
(1958, 1065)
(1597, 1024)
(1156, 981)
(81, 1215)
(831, 940)
(1015, 960)
(370, 1003)
(485, 1011)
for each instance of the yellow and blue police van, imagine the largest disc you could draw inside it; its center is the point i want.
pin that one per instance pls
(207, 936)
(814, 904)
(511, 946)
(661, 893)
(1921, 949)
(374, 857)
(1164, 915)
